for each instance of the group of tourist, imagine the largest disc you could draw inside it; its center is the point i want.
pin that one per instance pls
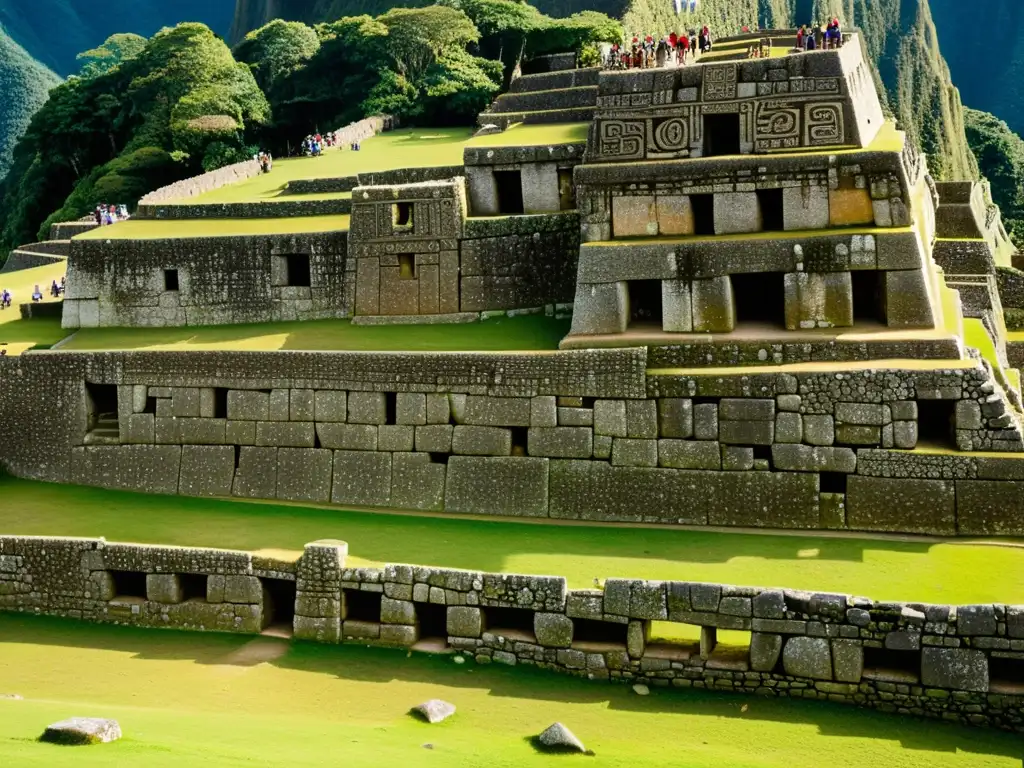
(110, 214)
(56, 291)
(819, 36)
(671, 50)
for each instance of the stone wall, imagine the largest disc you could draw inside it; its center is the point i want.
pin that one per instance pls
(207, 182)
(545, 179)
(279, 208)
(962, 663)
(587, 435)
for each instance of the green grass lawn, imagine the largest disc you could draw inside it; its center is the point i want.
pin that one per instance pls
(159, 229)
(528, 332)
(937, 572)
(17, 335)
(221, 700)
(523, 135)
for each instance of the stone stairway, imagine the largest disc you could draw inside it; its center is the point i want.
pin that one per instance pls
(569, 96)
(106, 431)
(37, 255)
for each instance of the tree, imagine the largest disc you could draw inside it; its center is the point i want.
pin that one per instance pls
(1000, 154)
(113, 52)
(458, 86)
(418, 36)
(277, 50)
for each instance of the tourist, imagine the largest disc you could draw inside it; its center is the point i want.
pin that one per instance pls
(661, 54)
(54, 289)
(683, 47)
(98, 214)
(37, 295)
(800, 34)
(5, 299)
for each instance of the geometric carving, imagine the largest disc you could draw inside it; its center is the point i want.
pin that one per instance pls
(776, 125)
(622, 138)
(669, 135)
(719, 82)
(823, 124)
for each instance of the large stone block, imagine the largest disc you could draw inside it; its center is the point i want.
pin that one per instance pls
(901, 505)
(330, 405)
(642, 419)
(737, 212)
(434, 438)
(395, 437)
(464, 621)
(163, 588)
(765, 650)
(958, 668)
(805, 207)
(243, 590)
(850, 207)
(304, 474)
(746, 432)
(397, 611)
(634, 216)
(990, 507)
(676, 306)
(907, 303)
(361, 478)
(417, 482)
(367, 408)
(675, 215)
(146, 468)
(185, 402)
(411, 408)
(818, 300)
(600, 308)
(482, 190)
(471, 483)
(714, 306)
(300, 405)
(553, 630)
(561, 442)
(807, 458)
(540, 187)
(819, 429)
(245, 405)
(496, 411)
(256, 476)
(201, 431)
(633, 452)
(675, 417)
(847, 660)
(689, 454)
(289, 434)
(610, 418)
(206, 470)
(481, 441)
(808, 657)
(705, 421)
(348, 437)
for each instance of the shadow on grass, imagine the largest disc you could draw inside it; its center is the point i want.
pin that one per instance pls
(378, 665)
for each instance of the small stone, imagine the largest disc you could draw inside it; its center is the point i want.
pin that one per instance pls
(76, 731)
(559, 738)
(11, 697)
(434, 711)
(459, 660)
(641, 690)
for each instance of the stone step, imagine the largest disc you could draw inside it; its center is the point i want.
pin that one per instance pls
(50, 247)
(505, 119)
(536, 101)
(546, 81)
(20, 259)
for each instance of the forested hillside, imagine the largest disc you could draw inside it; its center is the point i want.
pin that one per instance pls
(24, 85)
(1000, 154)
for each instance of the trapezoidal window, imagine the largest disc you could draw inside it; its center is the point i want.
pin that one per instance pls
(362, 606)
(868, 293)
(297, 270)
(406, 266)
(645, 304)
(401, 216)
(101, 408)
(193, 586)
(892, 666)
(278, 604)
(721, 135)
(770, 203)
(510, 622)
(703, 207)
(128, 584)
(170, 279)
(936, 424)
(760, 298)
(510, 191)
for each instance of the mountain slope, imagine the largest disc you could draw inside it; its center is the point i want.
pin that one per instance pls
(24, 83)
(55, 31)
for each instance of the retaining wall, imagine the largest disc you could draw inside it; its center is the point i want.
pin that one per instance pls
(960, 663)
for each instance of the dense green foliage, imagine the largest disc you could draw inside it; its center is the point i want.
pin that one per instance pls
(24, 84)
(1000, 154)
(114, 51)
(149, 121)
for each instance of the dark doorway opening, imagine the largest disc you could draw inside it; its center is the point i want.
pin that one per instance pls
(401, 215)
(770, 202)
(361, 606)
(645, 303)
(129, 584)
(278, 603)
(298, 270)
(170, 279)
(193, 586)
(936, 423)
(1006, 676)
(721, 135)
(517, 622)
(759, 297)
(101, 402)
(703, 214)
(832, 482)
(886, 664)
(566, 190)
(407, 266)
(220, 402)
(510, 191)
(593, 631)
(433, 621)
(868, 296)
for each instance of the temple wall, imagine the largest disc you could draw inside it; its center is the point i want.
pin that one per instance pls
(963, 663)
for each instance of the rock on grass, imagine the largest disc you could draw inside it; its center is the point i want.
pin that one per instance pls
(558, 738)
(434, 711)
(82, 730)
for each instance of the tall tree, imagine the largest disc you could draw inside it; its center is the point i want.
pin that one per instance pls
(114, 51)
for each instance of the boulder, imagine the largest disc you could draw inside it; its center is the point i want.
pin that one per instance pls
(434, 711)
(558, 738)
(808, 657)
(82, 730)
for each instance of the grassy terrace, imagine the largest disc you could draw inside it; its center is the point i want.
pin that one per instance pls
(530, 332)
(159, 229)
(885, 569)
(221, 700)
(17, 335)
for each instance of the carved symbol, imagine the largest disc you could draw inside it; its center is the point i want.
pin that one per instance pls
(776, 126)
(623, 139)
(670, 135)
(823, 124)
(719, 82)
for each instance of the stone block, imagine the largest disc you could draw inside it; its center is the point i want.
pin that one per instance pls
(867, 414)
(976, 620)
(138, 429)
(603, 446)
(243, 590)
(496, 411)
(901, 505)
(300, 405)
(960, 669)
(553, 630)
(201, 431)
(819, 429)
(540, 187)
(629, 452)
(675, 215)
(395, 437)
(367, 408)
(904, 434)
(481, 441)
(789, 428)
(207, 403)
(856, 434)
(990, 507)
(163, 588)
(397, 611)
(348, 437)
(523, 481)
(417, 482)
(850, 207)
(600, 308)
(634, 216)
(185, 402)
(805, 207)
(765, 650)
(280, 405)
(676, 306)
(675, 417)
(330, 405)
(561, 442)
(907, 303)
(847, 660)
(807, 458)
(206, 470)
(808, 657)
(737, 212)
(464, 621)
(689, 454)
(304, 474)
(610, 418)
(642, 419)
(968, 415)
(543, 411)
(256, 475)
(434, 438)
(737, 458)
(747, 409)
(575, 417)
(146, 468)
(714, 305)
(746, 432)
(637, 634)
(832, 511)
(818, 300)
(438, 409)
(705, 421)
(292, 434)
(240, 432)
(482, 190)
(361, 478)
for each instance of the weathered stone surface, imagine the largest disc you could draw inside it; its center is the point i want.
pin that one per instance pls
(976, 620)
(807, 458)
(471, 483)
(689, 454)
(610, 418)
(434, 710)
(705, 421)
(641, 419)
(847, 660)
(765, 650)
(600, 308)
(304, 474)
(496, 411)
(990, 507)
(397, 611)
(561, 442)
(675, 417)
(909, 506)
(78, 731)
(808, 657)
(328, 405)
(434, 438)
(553, 630)
(464, 621)
(557, 737)
(411, 408)
(957, 668)
(163, 588)
(482, 441)
(627, 452)
(256, 476)
(714, 307)
(361, 478)
(367, 408)
(819, 429)
(206, 470)
(417, 482)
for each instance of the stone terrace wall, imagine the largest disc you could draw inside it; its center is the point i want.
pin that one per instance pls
(961, 663)
(585, 435)
(199, 185)
(280, 208)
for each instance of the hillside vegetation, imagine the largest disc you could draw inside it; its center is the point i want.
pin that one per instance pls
(24, 85)
(1000, 154)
